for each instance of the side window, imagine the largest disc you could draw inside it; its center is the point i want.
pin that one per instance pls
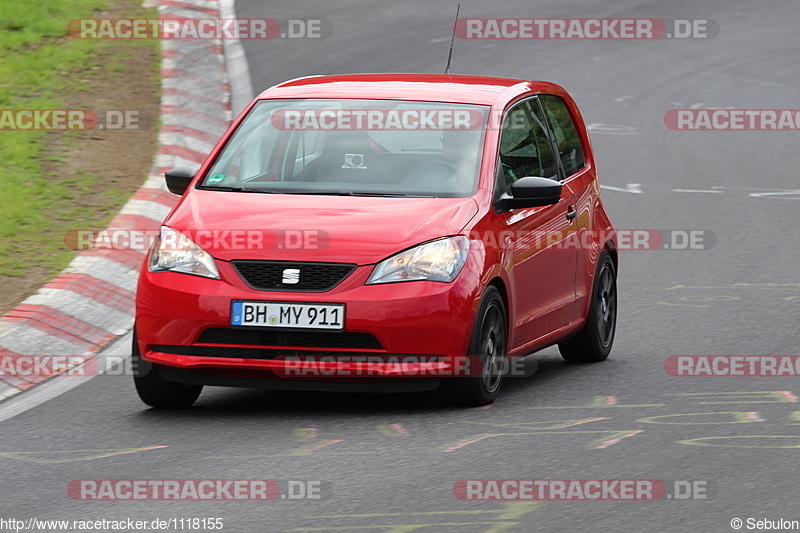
(570, 150)
(524, 146)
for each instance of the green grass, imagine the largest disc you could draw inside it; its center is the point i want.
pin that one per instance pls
(40, 67)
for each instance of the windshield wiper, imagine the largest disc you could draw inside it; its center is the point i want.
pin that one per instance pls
(375, 194)
(389, 194)
(236, 188)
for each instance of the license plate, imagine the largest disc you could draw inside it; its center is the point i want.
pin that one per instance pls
(288, 315)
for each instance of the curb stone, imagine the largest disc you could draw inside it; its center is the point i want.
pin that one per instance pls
(91, 302)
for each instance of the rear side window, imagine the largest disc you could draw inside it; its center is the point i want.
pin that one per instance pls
(524, 146)
(570, 150)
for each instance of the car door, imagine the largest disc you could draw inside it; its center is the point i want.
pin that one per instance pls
(582, 182)
(543, 263)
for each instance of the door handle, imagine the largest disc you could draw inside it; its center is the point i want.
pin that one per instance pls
(572, 213)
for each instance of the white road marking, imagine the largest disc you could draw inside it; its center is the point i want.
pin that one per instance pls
(611, 129)
(701, 105)
(697, 190)
(633, 188)
(748, 188)
(777, 195)
(55, 387)
(764, 192)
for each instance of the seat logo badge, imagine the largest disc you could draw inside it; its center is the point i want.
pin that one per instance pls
(291, 276)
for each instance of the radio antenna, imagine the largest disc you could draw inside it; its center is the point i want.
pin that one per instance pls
(452, 41)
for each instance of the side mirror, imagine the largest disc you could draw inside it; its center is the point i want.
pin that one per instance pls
(178, 179)
(531, 192)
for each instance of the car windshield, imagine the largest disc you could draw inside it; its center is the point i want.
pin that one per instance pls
(354, 147)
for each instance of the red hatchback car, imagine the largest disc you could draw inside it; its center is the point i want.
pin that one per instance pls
(392, 232)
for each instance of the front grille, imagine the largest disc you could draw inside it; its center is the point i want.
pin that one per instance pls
(314, 277)
(311, 339)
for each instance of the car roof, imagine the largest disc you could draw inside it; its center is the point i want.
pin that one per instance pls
(462, 89)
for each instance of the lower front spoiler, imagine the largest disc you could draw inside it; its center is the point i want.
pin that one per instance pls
(190, 377)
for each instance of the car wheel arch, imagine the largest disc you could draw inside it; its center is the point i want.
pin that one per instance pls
(498, 283)
(612, 252)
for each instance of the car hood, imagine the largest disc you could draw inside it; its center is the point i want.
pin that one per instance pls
(286, 227)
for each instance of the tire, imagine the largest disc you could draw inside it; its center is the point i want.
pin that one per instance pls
(156, 391)
(488, 343)
(593, 343)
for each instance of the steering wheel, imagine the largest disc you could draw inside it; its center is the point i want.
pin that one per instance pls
(438, 171)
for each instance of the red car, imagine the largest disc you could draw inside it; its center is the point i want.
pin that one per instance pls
(380, 232)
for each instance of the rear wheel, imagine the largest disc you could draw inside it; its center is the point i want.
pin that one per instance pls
(487, 348)
(594, 341)
(156, 391)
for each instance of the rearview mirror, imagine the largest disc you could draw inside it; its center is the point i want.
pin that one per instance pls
(531, 192)
(178, 179)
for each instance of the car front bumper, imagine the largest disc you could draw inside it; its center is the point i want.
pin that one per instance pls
(392, 332)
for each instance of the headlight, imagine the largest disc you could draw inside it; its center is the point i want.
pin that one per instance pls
(175, 252)
(440, 260)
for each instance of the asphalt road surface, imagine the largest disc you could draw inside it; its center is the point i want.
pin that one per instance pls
(389, 463)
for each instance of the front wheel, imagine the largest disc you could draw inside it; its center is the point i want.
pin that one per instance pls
(156, 391)
(593, 343)
(488, 348)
